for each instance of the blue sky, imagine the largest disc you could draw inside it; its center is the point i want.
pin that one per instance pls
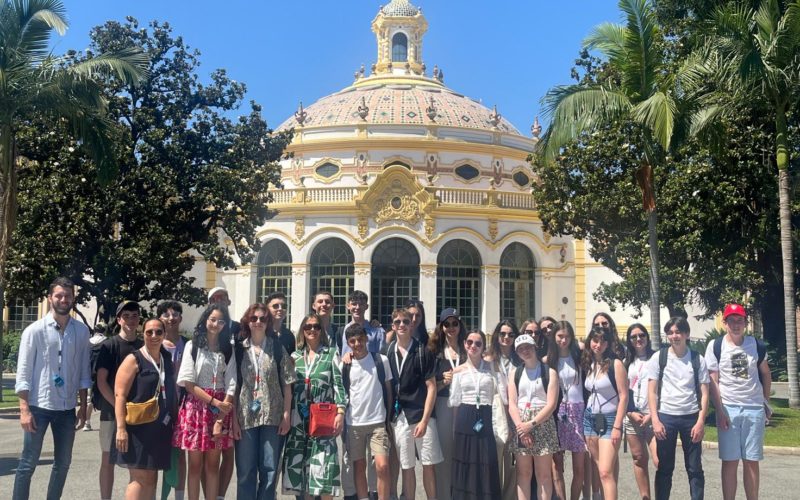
(503, 52)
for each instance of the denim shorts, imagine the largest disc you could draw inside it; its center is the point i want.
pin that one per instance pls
(588, 428)
(744, 439)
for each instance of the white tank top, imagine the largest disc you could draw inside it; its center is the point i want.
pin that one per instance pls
(602, 397)
(570, 380)
(531, 391)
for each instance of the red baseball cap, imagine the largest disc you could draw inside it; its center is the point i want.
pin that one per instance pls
(731, 309)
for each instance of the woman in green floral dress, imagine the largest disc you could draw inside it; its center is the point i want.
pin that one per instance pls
(311, 465)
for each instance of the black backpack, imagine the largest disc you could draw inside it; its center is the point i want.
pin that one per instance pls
(94, 353)
(612, 378)
(761, 348)
(662, 363)
(381, 378)
(545, 378)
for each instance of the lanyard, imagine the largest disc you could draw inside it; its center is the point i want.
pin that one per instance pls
(476, 379)
(564, 362)
(256, 361)
(505, 363)
(453, 363)
(60, 346)
(401, 364)
(534, 379)
(159, 367)
(216, 368)
(637, 380)
(309, 370)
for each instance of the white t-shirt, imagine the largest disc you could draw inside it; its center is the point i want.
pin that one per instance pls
(570, 380)
(366, 395)
(738, 372)
(678, 395)
(637, 382)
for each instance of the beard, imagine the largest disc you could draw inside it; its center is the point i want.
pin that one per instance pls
(61, 309)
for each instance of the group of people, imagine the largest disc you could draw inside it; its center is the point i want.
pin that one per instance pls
(348, 410)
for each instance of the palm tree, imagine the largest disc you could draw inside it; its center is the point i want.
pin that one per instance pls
(33, 82)
(643, 94)
(753, 56)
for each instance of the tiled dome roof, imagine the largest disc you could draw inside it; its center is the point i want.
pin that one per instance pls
(399, 8)
(400, 104)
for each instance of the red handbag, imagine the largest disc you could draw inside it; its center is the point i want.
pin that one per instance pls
(321, 420)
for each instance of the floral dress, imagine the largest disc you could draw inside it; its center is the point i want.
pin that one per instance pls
(311, 465)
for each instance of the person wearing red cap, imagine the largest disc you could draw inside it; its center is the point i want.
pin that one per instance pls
(740, 388)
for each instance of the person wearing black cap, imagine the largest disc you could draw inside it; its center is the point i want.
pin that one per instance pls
(112, 352)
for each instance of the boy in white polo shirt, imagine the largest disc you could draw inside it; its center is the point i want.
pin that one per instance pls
(367, 380)
(678, 401)
(740, 387)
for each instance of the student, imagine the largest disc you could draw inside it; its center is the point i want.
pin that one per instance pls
(113, 352)
(606, 396)
(532, 399)
(368, 410)
(276, 305)
(678, 400)
(53, 374)
(570, 412)
(638, 423)
(357, 305)
(418, 325)
(475, 473)
(740, 387)
(414, 374)
(323, 306)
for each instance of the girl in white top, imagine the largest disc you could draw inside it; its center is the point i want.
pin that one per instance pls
(531, 406)
(638, 424)
(570, 412)
(605, 408)
(475, 472)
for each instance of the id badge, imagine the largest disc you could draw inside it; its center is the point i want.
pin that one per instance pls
(255, 406)
(302, 410)
(166, 419)
(478, 426)
(57, 380)
(214, 409)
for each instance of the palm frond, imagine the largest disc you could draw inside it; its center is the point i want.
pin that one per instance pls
(609, 39)
(705, 117)
(643, 60)
(657, 113)
(37, 19)
(130, 65)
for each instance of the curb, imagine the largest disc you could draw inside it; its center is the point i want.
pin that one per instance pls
(768, 450)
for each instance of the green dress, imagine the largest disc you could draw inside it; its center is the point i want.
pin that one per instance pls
(311, 465)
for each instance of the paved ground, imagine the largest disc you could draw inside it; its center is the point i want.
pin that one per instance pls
(777, 479)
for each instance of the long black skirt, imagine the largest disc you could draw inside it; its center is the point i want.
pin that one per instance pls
(475, 471)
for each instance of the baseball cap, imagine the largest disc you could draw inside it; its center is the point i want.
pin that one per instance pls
(127, 305)
(215, 290)
(731, 309)
(523, 339)
(448, 313)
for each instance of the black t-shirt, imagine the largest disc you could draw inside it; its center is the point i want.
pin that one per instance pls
(112, 352)
(287, 340)
(410, 385)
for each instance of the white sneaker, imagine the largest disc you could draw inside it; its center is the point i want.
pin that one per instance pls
(87, 427)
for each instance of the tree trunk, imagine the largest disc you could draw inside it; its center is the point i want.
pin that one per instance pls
(787, 252)
(655, 302)
(7, 204)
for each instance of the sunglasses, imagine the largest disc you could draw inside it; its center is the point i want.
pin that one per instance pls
(508, 334)
(548, 327)
(278, 306)
(451, 324)
(258, 319)
(637, 336)
(401, 322)
(157, 333)
(476, 343)
(312, 326)
(602, 323)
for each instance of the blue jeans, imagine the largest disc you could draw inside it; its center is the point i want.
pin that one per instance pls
(63, 424)
(692, 456)
(257, 456)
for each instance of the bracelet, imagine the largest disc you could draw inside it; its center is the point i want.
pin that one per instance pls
(617, 428)
(211, 401)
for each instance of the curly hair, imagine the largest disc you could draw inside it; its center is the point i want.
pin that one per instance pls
(225, 341)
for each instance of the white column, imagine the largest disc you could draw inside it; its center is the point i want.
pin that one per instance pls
(300, 299)
(361, 281)
(427, 294)
(490, 309)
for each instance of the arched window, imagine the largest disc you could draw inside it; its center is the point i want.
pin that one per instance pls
(458, 281)
(395, 277)
(275, 273)
(399, 48)
(332, 270)
(517, 283)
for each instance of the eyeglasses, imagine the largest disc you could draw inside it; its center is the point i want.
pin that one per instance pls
(157, 333)
(507, 334)
(258, 319)
(279, 305)
(312, 326)
(476, 343)
(637, 336)
(401, 322)
(451, 324)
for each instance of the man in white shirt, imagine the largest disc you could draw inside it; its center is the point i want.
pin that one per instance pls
(370, 403)
(740, 388)
(678, 401)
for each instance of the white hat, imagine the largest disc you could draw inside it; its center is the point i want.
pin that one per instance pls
(524, 339)
(215, 290)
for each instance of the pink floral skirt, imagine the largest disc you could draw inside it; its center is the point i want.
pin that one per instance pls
(194, 428)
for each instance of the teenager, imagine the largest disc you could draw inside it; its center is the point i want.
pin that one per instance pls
(475, 473)
(367, 380)
(570, 411)
(277, 307)
(418, 325)
(740, 386)
(414, 426)
(323, 306)
(357, 305)
(606, 396)
(532, 399)
(638, 423)
(678, 400)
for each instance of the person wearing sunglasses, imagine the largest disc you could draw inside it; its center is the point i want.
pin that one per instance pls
(638, 424)
(447, 344)
(144, 449)
(265, 375)
(475, 473)
(311, 464)
(278, 310)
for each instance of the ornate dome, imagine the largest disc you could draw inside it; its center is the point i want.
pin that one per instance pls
(407, 103)
(399, 8)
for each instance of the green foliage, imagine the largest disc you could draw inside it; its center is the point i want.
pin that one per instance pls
(192, 181)
(10, 350)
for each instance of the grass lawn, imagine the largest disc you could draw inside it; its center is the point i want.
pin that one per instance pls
(783, 429)
(9, 399)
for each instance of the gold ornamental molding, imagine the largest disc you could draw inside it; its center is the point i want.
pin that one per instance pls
(396, 196)
(427, 270)
(362, 268)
